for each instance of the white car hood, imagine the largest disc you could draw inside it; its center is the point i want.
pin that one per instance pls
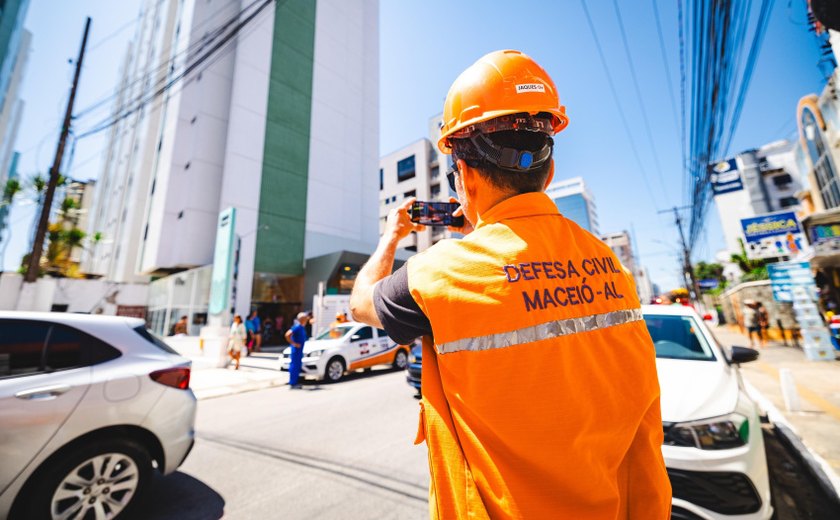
(694, 390)
(321, 344)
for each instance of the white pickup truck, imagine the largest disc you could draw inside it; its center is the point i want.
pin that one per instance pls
(347, 347)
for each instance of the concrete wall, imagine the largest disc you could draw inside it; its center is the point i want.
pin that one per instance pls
(733, 307)
(80, 295)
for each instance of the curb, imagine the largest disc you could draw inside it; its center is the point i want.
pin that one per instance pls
(222, 391)
(798, 449)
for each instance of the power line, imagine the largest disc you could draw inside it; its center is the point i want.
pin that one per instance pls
(195, 47)
(638, 92)
(141, 102)
(680, 129)
(621, 114)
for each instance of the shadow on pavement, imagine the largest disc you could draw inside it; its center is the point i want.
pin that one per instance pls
(183, 497)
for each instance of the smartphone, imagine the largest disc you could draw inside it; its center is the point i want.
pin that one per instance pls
(435, 214)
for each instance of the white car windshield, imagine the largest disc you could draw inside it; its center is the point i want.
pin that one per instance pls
(678, 337)
(339, 331)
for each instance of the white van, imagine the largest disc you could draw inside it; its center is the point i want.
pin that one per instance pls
(349, 346)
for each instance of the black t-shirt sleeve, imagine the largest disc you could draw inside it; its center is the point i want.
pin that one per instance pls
(400, 315)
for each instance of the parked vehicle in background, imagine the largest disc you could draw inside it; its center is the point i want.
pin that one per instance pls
(90, 406)
(347, 347)
(714, 448)
(413, 371)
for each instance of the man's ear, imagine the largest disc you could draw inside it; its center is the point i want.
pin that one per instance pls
(469, 177)
(550, 175)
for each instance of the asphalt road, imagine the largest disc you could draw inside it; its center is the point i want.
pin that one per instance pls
(326, 451)
(345, 451)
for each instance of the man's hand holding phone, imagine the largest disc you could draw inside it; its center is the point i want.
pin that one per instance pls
(399, 224)
(467, 226)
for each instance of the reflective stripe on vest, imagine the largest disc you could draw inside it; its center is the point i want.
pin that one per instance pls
(535, 333)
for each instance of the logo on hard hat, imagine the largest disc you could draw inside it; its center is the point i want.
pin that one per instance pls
(530, 87)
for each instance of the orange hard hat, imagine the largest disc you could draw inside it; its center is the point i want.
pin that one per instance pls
(500, 83)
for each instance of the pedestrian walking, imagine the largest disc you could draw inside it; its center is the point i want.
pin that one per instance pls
(763, 319)
(540, 394)
(236, 340)
(751, 321)
(296, 336)
(254, 326)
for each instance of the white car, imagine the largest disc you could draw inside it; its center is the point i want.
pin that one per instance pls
(89, 407)
(714, 449)
(347, 347)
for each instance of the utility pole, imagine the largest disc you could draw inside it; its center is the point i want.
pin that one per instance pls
(686, 253)
(43, 221)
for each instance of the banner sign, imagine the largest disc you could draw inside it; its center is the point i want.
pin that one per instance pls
(708, 283)
(825, 238)
(220, 285)
(773, 235)
(785, 275)
(725, 177)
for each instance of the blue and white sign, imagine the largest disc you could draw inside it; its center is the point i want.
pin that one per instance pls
(725, 177)
(220, 287)
(785, 275)
(773, 235)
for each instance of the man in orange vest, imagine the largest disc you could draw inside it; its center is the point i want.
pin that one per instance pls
(528, 293)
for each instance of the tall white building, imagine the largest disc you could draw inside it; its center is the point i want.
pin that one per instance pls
(575, 202)
(622, 245)
(281, 124)
(412, 171)
(755, 182)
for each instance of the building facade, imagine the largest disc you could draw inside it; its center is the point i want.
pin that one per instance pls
(15, 42)
(412, 171)
(281, 123)
(575, 202)
(622, 245)
(753, 183)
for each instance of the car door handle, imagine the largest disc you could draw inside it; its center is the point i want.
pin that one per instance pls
(44, 393)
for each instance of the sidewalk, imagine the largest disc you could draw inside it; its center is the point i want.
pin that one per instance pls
(207, 380)
(818, 387)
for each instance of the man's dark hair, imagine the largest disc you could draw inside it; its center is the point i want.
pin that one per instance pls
(508, 180)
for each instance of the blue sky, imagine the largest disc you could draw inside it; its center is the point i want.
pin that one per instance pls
(425, 45)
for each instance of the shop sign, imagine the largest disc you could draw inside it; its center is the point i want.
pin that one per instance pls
(772, 235)
(825, 238)
(221, 279)
(785, 275)
(708, 283)
(725, 177)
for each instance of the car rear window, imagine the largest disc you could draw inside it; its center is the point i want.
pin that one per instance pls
(677, 337)
(154, 340)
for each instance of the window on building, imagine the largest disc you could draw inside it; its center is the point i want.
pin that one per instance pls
(381, 179)
(435, 173)
(786, 202)
(405, 169)
(782, 181)
(412, 193)
(435, 190)
(824, 171)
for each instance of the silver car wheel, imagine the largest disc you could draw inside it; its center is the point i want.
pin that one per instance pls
(103, 484)
(335, 369)
(401, 360)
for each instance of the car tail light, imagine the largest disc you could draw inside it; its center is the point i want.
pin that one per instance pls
(178, 377)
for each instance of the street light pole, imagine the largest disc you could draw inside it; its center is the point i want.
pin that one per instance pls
(38, 244)
(688, 270)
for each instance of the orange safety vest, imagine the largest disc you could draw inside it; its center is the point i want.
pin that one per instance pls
(540, 394)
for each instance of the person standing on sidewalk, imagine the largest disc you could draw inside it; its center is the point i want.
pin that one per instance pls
(254, 326)
(236, 340)
(296, 336)
(526, 295)
(763, 322)
(751, 321)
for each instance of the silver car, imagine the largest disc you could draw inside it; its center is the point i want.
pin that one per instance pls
(89, 407)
